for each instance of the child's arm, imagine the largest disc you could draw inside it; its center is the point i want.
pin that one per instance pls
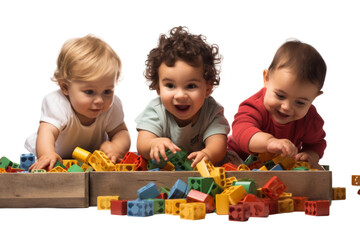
(45, 146)
(262, 142)
(311, 157)
(149, 145)
(119, 143)
(214, 151)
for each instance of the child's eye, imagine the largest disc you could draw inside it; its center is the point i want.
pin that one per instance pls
(191, 86)
(279, 96)
(108, 92)
(170, 85)
(300, 103)
(89, 92)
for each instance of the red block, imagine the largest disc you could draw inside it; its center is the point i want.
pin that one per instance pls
(118, 207)
(129, 158)
(141, 164)
(274, 188)
(239, 212)
(162, 196)
(229, 167)
(299, 203)
(317, 208)
(273, 205)
(258, 208)
(14, 170)
(197, 196)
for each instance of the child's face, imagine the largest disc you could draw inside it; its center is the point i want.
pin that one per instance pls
(90, 98)
(182, 89)
(287, 99)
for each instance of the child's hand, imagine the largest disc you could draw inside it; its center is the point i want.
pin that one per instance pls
(159, 145)
(112, 151)
(198, 156)
(47, 159)
(311, 157)
(282, 146)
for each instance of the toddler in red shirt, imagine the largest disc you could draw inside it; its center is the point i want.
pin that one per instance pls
(280, 118)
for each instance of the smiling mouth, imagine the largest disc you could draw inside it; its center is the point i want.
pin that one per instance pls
(283, 115)
(182, 108)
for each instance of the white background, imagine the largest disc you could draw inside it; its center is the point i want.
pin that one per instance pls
(248, 34)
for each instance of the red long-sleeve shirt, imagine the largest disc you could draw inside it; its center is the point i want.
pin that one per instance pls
(252, 117)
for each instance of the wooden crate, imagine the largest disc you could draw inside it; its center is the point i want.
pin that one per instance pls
(36, 190)
(316, 185)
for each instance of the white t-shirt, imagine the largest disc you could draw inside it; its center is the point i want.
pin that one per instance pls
(56, 109)
(156, 119)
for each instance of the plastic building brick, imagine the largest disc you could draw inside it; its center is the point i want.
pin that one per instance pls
(202, 184)
(179, 159)
(239, 212)
(250, 159)
(13, 170)
(285, 195)
(255, 165)
(299, 203)
(118, 207)
(26, 160)
(265, 157)
(75, 168)
(219, 176)
(272, 204)
(249, 185)
(339, 193)
(317, 208)
(58, 169)
(129, 158)
(168, 167)
(263, 168)
(125, 167)
(103, 202)
(229, 181)
(277, 167)
(141, 164)
(162, 196)
(192, 211)
(85, 167)
(286, 162)
(300, 168)
(302, 164)
(100, 162)
(81, 155)
(258, 208)
(214, 189)
(140, 208)
(235, 194)
(197, 196)
(172, 206)
(269, 164)
(38, 171)
(5, 162)
(148, 191)
(229, 167)
(243, 167)
(178, 190)
(222, 204)
(69, 162)
(159, 205)
(355, 180)
(274, 188)
(285, 205)
(152, 164)
(2, 170)
(203, 169)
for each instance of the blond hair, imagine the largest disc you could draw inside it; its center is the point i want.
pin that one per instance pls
(85, 59)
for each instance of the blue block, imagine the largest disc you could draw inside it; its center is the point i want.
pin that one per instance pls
(26, 160)
(178, 190)
(277, 167)
(148, 191)
(140, 208)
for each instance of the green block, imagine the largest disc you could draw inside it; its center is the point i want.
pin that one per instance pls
(75, 168)
(300, 169)
(180, 160)
(89, 169)
(326, 167)
(165, 190)
(270, 164)
(202, 184)
(15, 165)
(214, 189)
(5, 162)
(59, 164)
(250, 159)
(249, 185)
(38, 171)
(152, 164)
(159, 206)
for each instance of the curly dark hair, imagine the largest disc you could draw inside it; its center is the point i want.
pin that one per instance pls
(182, 45)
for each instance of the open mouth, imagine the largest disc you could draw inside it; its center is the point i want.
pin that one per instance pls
(283, 115)
(182, 108)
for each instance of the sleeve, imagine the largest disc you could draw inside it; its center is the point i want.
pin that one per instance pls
(115, 115)
(247, 122)
(218, 123)
(150, 120)
(56, 110)
(314, 138)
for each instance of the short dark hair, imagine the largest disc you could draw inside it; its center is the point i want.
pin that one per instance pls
(303, 59)
(190, 48)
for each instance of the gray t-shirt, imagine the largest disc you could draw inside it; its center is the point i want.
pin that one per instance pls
(156, 119)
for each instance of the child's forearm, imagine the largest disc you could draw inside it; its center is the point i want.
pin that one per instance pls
(144, 143)
(216, 147)
(259, 142)
(46, 138)
(122, 140)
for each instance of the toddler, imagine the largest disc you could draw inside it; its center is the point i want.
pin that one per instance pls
(182, 70)
(84, 112)
(280, 118)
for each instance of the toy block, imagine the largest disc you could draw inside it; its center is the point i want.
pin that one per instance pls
(317, 208)
(59, 164)
(269, 165)
(140, 208)
(197, 196)
(75, 168)
(277, 167)
(339, 193)
(162, 196)
(258, 208)
(235, 194)
(239, 212)
(285, 195)
(2, 170)
(263, 168)
(214, 189)
(219, 176)
(285, 205)
(355, 180)
(129, 158)
(300, 169)
(243, 167)
(165, 190)
(203, 169)
(299, 203)
(85, 166)
(159, 205)
(13, 170)
(272, 204)
(286, 162)
(152, 164)
(38, 171)
(229, 167)
(266, 156)
(180, 160)
(69, 162)
(5, 162)
(103, 202)
(192, 211)
(229, 181)
(255, 165)
(118, 207)
(274, 188)
(326, 167)
(141, 164)
(172, 206)
(250, 159)
(26, 160)
(249, 185)
(81, 155)
(148, 191)
(178, 190)
(15, 165)
(304, 164)
(201, 184)
(100, 162)
(168, 167)
(58, 169)
(125, 167)
(222, 204)
(89, 169)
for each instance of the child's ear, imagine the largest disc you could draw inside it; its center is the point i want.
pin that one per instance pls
(320, 93)
(64, 87)
(266, 77)
(209, 88)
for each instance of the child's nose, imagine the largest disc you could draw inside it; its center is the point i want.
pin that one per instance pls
(99, 100)
(286, 105)
(180, 94)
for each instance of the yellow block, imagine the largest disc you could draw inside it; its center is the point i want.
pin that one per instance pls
(285, 205)
(172, 206)
(192, 211)
(169, 166)
(100, 162)
(81, 155)
(84, 166)
(301, 164)
(286, 162)
(103, 202)
(203, 169)
(2, 170)
(235, 193)
(58, 169)
(218, 174)
(222, 204)
(229, 181)
(125, 167)
(243, 167)
(69, 162)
